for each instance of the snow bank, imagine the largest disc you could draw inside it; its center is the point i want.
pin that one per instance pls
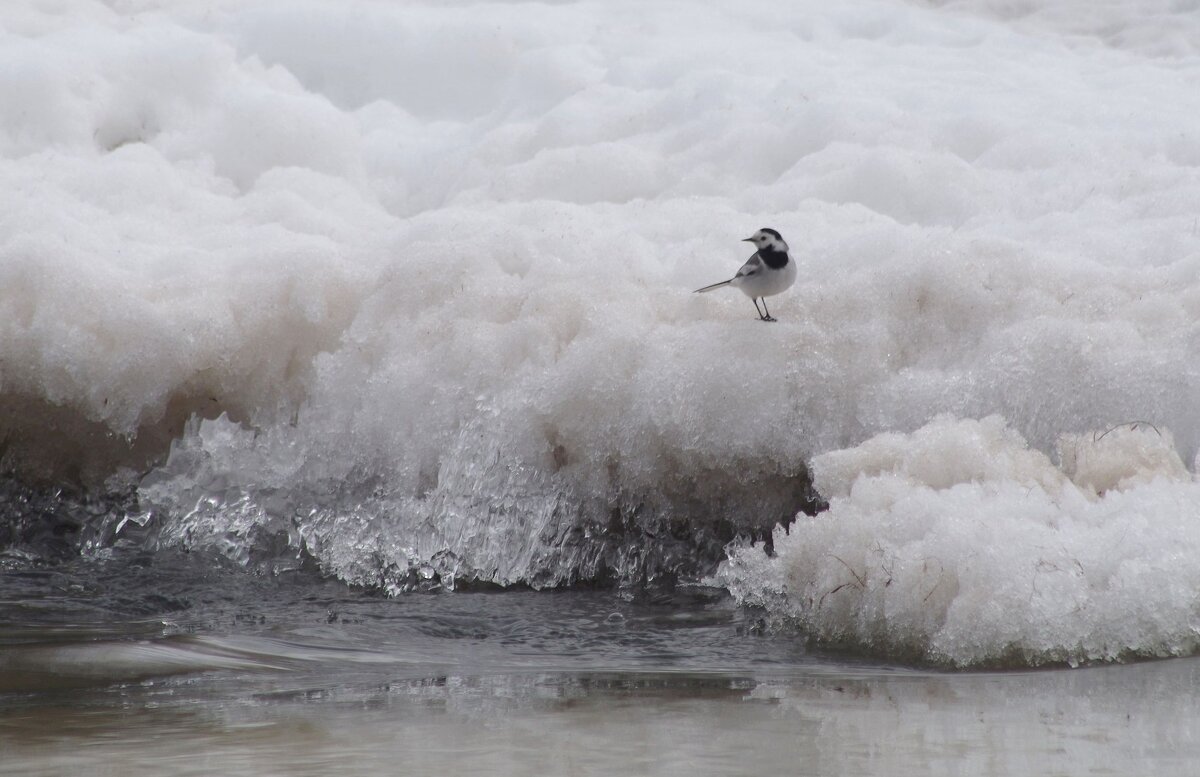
(408, 286)
(958, 544)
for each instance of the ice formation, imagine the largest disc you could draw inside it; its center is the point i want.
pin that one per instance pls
(301, 280)
(958, 544)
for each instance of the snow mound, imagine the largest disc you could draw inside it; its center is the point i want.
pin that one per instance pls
(959, 545)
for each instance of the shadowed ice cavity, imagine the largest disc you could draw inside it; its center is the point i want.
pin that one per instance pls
(486, 514)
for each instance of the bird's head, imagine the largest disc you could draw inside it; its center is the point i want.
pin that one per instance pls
(767, 240)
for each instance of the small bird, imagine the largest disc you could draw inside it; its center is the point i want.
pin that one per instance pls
(770, 271)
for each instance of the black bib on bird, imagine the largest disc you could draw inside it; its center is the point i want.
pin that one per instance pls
(773, 259)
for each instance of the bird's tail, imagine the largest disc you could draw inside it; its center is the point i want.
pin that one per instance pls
(714, 286)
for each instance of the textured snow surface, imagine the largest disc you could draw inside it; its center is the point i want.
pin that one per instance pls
(406, 284)
(958, 544)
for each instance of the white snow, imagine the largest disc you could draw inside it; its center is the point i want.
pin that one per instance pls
(427, 266)
(958, 544)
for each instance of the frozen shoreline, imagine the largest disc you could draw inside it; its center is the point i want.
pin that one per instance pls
(413, 319)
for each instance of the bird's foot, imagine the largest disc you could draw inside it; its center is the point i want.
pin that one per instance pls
(772, 319)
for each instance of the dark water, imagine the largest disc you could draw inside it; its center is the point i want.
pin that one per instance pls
(182, 664)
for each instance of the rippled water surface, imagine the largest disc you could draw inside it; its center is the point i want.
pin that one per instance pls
(180, 665)
(313, 312)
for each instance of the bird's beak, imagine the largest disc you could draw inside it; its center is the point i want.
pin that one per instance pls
(747, 240)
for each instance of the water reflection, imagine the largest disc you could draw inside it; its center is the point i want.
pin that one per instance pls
(195, 670)
(823, 720)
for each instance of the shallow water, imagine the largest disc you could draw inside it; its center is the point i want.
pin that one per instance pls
(192, 667)
(287, 327)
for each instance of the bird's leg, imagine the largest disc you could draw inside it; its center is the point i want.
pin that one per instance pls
(768, 317)
(761, 317)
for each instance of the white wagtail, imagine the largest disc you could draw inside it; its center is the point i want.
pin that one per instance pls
(770, 271)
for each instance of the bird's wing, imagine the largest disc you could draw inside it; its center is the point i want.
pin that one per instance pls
(753, 266)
